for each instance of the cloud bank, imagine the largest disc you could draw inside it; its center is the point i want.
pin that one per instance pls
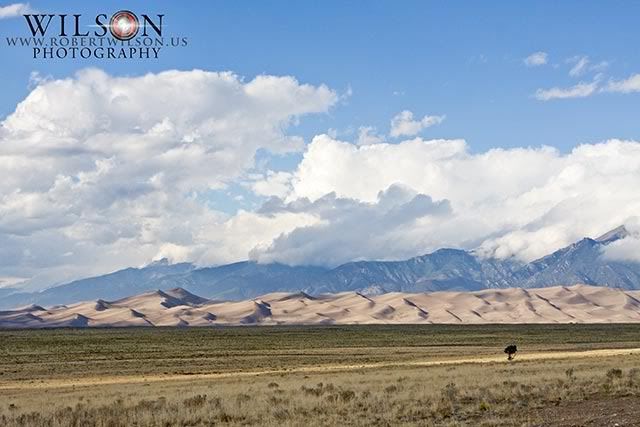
(104, 172)
(99, 170)
(522, 202)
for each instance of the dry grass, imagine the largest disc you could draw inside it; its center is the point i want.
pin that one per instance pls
(70, 353)
(504, 393)
(492, 394)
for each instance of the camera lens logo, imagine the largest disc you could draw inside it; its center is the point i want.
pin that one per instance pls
(124, 25)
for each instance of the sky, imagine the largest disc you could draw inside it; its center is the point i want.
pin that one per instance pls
(320, 133)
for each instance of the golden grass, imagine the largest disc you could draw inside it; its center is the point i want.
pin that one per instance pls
(487, 394)
(315, 376)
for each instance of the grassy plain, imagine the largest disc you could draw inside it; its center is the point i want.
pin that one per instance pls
(348, 375)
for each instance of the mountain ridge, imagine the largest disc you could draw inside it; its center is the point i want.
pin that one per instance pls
(443, 269)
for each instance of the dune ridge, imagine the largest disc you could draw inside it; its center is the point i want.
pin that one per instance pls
(178, 307)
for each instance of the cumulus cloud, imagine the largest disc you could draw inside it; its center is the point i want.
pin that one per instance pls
(14, 10)
(627, 249)
(349, 229)
(536, 59)
(367, 136)
(629, 85)
(104, 171)
(580, 90)
(272, 184)
(522, 202)
(403, 124)
(624, 250)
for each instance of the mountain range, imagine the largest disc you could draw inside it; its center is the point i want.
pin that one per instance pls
(445, 269)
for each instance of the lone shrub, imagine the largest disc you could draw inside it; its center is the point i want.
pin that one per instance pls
(511, 351)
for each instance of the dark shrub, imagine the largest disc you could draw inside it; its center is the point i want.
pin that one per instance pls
(511, 351)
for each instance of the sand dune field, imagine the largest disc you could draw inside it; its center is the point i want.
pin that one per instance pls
(177, 307)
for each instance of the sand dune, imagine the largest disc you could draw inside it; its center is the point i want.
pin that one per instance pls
(178, 307)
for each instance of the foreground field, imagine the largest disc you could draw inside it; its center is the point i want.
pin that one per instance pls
(367, 375)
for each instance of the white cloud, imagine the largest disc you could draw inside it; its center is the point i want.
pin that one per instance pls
(175, 253)
(114, 170)
(536, 59)
(9, 282)
(349, 229)
(367, 136)
(627, 249)
(629, 85)
(581, 90)
(272, 184)
(520, 202)
(581, 65)
(624, 250)
(101, 172)
(14, 10)
(403, 124)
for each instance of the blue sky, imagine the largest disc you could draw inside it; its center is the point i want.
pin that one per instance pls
(456, 71)
(462, 59)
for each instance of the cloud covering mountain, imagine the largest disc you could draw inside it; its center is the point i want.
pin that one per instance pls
(583, 262)
(521, 202)
(102, 172)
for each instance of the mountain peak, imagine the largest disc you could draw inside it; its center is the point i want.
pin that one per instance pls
(444, 269)
(617, 233)
(159, 262)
